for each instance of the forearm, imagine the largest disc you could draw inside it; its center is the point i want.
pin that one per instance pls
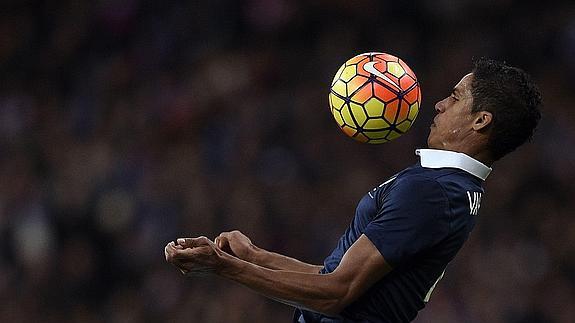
(361, 267)
(277, 261)
(238, 244)
(320, 293)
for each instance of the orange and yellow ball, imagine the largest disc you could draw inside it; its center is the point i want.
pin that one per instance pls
(375, 97)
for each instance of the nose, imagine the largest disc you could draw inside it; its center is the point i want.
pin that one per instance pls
(439, 107)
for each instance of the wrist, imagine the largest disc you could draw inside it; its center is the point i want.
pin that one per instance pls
(257, 256)
(231, 266)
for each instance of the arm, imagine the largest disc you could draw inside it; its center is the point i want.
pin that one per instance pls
(361, 266)
(239, 245)
(272, 260)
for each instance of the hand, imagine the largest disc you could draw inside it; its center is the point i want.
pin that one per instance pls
(237, 244)
(195, 255)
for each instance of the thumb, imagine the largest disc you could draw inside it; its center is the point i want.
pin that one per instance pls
(185, 242)
(224, 243)
(221, 241)
(193, 242)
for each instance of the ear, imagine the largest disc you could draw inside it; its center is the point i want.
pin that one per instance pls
(482, 120)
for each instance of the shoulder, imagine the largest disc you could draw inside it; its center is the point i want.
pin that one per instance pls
(440, 179)
(417, 184)
(414, 193)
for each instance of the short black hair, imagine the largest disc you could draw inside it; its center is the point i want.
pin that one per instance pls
(513, 99)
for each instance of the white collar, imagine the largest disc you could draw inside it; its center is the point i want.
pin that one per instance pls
(435, 158)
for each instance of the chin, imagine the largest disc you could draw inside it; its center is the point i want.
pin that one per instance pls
(432, 143)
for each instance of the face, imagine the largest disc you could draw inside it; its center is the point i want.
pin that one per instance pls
(454, 120)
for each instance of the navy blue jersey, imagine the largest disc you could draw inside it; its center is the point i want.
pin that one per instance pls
(418, 220)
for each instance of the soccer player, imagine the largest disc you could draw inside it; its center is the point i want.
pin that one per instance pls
(406, 230)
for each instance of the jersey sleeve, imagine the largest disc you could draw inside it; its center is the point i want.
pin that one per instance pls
(414, 215)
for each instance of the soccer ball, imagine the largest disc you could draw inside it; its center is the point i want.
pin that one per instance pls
(374, 97)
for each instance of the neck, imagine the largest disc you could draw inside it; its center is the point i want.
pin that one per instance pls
(475, 150)
(482, 156)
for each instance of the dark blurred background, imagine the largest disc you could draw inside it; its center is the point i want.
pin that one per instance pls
(126, 124)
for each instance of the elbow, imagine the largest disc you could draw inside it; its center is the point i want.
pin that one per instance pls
(334, 305)
(331, 308)
(340, 294)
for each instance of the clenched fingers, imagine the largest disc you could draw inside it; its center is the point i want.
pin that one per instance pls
(222, 241)
(193, 242)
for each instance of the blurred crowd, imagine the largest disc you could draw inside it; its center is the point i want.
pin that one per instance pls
(126, 124)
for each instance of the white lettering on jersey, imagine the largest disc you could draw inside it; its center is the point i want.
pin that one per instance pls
(474, 202)
(428, 295)
(380, 185)
(388, 181)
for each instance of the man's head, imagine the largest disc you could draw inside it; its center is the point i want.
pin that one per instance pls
(491, 111)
